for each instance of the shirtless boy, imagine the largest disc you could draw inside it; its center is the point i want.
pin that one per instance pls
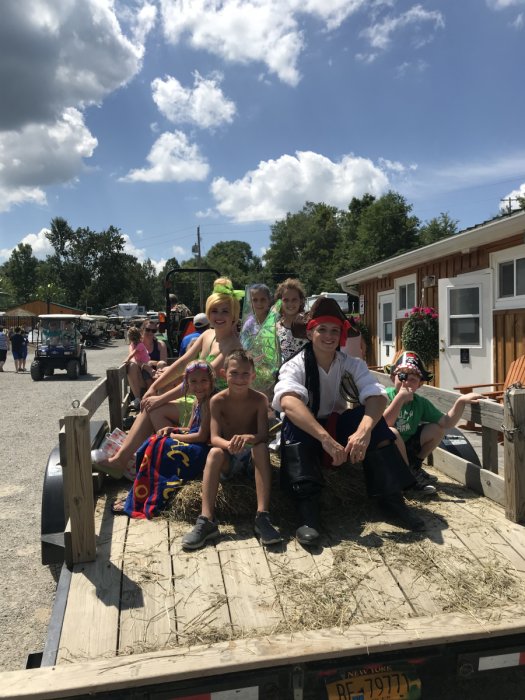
(239, 425)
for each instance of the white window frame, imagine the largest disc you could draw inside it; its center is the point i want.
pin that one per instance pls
(401, 282)
(478, 315)
(502, 256)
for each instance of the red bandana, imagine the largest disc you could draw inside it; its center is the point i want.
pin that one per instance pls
(343, 325)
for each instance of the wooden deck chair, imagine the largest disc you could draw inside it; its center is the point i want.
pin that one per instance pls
(515, 375)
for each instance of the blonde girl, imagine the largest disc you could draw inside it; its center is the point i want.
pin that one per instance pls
(158, 410)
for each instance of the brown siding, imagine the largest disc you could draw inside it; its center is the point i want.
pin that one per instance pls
(509, 338)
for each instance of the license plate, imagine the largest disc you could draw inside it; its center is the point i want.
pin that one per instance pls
(392, 685)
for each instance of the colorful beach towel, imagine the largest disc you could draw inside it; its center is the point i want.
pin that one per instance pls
(164, 464)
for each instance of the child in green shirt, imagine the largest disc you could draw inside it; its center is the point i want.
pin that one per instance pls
(419, 424)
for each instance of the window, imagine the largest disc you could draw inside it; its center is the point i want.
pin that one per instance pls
(406, 295)
(511, 276)
(509, 284)
(465, 316)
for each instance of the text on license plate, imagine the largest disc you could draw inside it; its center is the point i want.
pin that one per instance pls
(376, 686)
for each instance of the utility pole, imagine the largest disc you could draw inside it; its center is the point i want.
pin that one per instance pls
(197, 249)
(509, 205)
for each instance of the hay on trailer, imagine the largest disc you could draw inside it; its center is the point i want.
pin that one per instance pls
(237, 499)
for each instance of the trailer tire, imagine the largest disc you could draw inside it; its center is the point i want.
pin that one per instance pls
(455, 442)
(88, 343)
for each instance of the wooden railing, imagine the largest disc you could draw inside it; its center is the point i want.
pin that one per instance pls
(75, 458)
(496, 420)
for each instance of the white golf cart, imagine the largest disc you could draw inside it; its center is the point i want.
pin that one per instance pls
(59, 346)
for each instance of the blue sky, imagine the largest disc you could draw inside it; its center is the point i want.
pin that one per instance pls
(158, 117)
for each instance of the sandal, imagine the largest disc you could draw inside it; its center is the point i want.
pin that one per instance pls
(117, 507)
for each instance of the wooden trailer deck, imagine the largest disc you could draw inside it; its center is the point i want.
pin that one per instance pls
(143, 593)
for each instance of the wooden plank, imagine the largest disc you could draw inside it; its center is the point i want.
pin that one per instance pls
(486, 413)
(489, 449)
(201, 602)
(90, 626)
(514, 455)
(476, 478)
(252, 597)
(78, 486)
(92, 401)
(126, 673)
(147, 617)
(114, 392)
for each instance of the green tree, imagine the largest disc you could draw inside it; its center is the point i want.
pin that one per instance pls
(22, 272)
(305, 245)
(386, 228)
(439, 227)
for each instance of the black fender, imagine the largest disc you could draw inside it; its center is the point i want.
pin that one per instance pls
(455, 442)
(52, 519)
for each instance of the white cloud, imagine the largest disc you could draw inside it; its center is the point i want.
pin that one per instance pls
(172, 159)
(279, 186)
(179, 252)
(204, 105)
(519, 21)
(240, 31)
(39, 155)
(64, 54)
(503, 4)
(38, 242)
(380, 34)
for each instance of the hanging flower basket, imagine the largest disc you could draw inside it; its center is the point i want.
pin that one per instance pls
(421, 333)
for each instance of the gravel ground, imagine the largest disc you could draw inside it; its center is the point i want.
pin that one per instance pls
(29, 433)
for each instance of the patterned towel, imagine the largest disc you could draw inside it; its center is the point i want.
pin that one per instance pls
(164, 464)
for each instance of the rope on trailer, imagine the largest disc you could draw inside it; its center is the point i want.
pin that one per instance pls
(510, 432)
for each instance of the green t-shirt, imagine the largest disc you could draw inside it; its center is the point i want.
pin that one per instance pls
(411, 415)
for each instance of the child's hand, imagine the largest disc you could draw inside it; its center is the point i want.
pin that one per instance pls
(238, 443)
(406, 394)
(472, 397)
(168, 430)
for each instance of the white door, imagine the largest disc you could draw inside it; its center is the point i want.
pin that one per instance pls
(386, 330)
(465, 329)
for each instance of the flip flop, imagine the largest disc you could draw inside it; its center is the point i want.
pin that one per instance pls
(117, 507)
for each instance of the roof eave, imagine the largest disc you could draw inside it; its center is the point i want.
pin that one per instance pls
(463, 242)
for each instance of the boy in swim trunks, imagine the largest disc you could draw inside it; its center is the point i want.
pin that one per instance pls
(239, 425)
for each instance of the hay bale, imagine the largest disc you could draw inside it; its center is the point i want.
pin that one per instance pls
(237, 499)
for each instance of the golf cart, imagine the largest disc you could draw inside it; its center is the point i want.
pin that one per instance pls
(93, 329)
(59, 346)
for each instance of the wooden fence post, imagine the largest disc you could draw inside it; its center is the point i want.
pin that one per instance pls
(114, 389)
(514, 454)
(78, 488)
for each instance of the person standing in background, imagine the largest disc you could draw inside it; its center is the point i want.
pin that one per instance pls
(4, 347)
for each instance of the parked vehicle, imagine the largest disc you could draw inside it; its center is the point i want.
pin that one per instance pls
(94, 329)
(59, 346)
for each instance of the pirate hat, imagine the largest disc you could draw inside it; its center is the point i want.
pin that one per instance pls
(325, 306)
(409, 360)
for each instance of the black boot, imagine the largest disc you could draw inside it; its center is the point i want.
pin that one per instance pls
(308, 507)
(386, 471)
(394, 505)
(302, 478)
(386, 475)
